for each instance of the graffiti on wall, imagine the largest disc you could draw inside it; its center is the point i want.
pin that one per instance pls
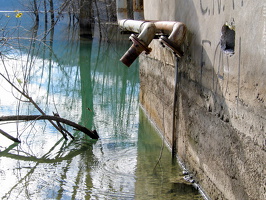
(220, 63)
(219, 83)
(212, 7)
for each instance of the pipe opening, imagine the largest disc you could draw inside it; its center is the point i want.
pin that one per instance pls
(227, 40)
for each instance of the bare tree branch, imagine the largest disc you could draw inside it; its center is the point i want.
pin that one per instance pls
(9, 136)
(91, 134)
(23, 93)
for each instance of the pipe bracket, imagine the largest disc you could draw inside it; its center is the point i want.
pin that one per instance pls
(138, 43)
(172, 46)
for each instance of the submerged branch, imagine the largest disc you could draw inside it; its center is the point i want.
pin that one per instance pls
(91, 134)
(9, 136)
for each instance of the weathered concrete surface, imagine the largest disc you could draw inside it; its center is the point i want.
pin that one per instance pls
(222, 99)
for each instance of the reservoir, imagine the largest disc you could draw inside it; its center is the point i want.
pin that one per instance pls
(83, 81)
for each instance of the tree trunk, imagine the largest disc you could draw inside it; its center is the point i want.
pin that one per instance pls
(52, 11)
(86, 19)
(36, 11)
(45, 13)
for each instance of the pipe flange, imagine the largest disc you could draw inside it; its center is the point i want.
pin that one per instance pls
(137, 42)
(166, 42)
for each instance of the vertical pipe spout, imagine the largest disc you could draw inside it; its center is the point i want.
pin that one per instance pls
(147, 32)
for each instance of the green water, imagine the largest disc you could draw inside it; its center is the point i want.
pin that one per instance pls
(83, 81)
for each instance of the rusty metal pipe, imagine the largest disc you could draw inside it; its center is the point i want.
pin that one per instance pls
(175, 30)
(135, 26)
(147, 32)
(146, 29)
(134, 51)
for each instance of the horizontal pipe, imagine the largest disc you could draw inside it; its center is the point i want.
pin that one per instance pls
(175, 30)
(147, 31)
(131, 25)
(165, 27)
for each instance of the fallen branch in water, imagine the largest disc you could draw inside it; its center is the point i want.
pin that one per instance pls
(91, 134)
(9, 136)
(62, 129)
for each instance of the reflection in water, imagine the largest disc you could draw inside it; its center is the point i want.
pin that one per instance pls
(166, 180)
(85, 82)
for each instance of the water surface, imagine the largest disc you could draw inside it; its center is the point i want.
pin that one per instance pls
(83, 81)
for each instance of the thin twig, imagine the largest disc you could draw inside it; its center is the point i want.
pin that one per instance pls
(35, 105)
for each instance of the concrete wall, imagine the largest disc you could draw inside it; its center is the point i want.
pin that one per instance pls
(222, 99)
